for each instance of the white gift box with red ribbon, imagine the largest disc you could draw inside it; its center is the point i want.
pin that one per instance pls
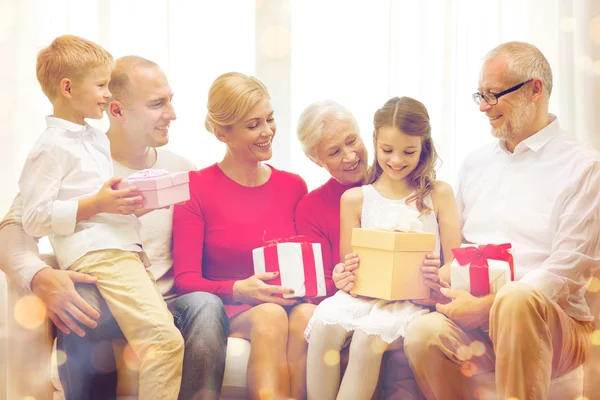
(300, 267)
(482, 269)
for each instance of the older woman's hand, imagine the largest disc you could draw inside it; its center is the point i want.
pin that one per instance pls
(343, 273)
(255, 291)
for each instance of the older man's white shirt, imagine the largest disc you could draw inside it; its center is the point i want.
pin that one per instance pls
(544, 198)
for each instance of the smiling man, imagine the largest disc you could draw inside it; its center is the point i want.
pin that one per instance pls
(140, 112)
(539, 189)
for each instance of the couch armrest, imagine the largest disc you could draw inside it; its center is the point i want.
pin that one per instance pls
(29, 348)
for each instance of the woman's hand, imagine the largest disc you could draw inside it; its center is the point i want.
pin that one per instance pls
(255, 291)
(343, 273)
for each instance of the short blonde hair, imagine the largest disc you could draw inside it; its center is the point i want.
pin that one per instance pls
(230, 97)
(70, 57)
(120, 76)
(524, 62)
(318, 117)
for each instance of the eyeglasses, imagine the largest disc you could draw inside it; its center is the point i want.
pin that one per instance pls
(492, 98)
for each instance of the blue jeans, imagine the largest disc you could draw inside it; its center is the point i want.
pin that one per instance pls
(89, 370)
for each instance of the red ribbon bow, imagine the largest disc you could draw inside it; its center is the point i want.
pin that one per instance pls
(289, 239)
(477, 257)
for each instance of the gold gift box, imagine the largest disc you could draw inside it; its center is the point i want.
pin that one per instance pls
(390, 263)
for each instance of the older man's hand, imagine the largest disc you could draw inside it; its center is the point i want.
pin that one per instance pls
(465, 310)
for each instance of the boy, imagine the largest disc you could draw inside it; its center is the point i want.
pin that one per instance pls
(67, 193)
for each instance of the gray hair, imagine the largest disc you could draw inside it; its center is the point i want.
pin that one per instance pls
(315, 118)
(524, 61)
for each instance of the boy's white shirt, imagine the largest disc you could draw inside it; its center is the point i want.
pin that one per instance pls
(19, 256)
(70, 162)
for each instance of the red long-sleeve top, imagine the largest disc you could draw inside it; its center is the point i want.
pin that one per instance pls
(215, 231)
(318, 218)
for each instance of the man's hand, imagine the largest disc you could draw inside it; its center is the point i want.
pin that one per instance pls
(436, 295)
(465, 310)
(57, 291)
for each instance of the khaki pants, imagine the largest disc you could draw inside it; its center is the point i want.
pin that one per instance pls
(138, 307)
(531, 341)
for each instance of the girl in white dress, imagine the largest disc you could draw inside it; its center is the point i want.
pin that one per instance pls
(403, 174)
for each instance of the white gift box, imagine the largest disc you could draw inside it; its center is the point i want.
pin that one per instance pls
(461, 275)
(300, 267)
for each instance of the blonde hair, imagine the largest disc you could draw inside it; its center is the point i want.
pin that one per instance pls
(230, 97)
(70, 57)
(524, 62)
(409, 116)
(318, 117)
(119, 79)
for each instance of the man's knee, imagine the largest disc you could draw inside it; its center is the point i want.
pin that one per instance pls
(423, 333)
(515, 297)
(203, 308)
(207, 304)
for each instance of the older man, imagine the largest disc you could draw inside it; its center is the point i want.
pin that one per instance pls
(140, 112)
(539, 189)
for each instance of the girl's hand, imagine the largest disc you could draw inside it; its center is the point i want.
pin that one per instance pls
(343, 273)
(431, 267)
(255, 291)
(431, 276)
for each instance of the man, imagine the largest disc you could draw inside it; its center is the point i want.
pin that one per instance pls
(140, 113)
(538, 189)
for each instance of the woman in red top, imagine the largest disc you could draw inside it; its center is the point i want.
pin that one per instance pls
(330, 137)
(235, 206)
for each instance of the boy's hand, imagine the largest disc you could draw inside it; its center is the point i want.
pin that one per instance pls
(118, 201)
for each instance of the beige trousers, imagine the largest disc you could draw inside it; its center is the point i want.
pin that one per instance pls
(136, 303)
(531, 340)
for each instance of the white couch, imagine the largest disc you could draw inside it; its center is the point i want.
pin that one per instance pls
(32, 369)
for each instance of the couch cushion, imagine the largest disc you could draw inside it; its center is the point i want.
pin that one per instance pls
(569, 386)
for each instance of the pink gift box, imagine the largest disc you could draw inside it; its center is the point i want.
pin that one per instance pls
(160, 188)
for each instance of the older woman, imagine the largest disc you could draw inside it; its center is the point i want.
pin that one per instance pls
(330, 137)
(235, 206)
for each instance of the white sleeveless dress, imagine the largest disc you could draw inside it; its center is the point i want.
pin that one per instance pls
(387, 319)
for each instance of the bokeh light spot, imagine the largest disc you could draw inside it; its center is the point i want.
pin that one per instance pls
(331, 358)
(30, 312)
